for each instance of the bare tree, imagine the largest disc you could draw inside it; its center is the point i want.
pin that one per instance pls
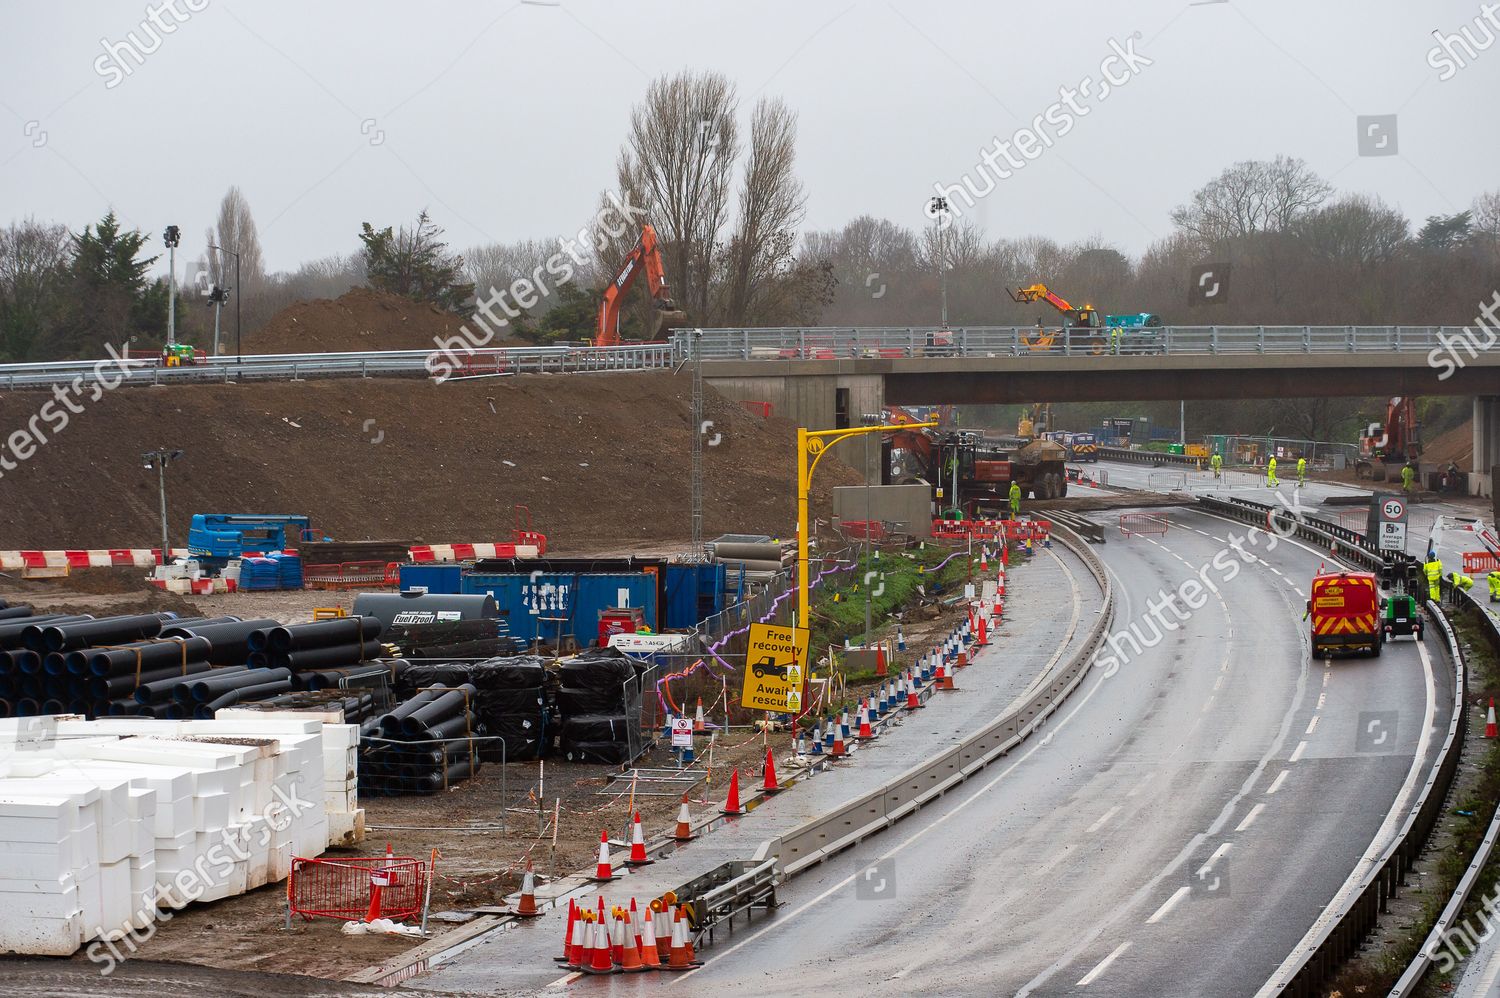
(236, 233)
(33, 263)
(771, 206)
(1356, 230)
(1250, 197)
(678, 165)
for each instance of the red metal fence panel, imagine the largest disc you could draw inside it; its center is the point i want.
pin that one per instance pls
(342, 888)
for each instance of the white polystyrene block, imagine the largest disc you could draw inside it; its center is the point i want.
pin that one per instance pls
(212, 811)
(114, 899)
(46, 924)
(143, 890)
(346, 828)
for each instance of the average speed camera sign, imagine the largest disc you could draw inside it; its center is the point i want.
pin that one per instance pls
(1389, 520)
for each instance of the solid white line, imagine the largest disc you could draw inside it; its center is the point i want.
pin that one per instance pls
(1168, 905)
(1297, 752)
(1276, 783)
(1312, 724)
(1217, 855)
(1250, 818)
(563, 982)
(1103, 965)
(1103, 820)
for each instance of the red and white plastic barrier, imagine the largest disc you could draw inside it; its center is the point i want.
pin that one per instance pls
(93, 558)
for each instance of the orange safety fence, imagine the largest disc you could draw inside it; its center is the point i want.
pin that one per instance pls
(351, 575)
(1143, 523)
(344, 888)
(874, 530)
(1480, 562)
(761, 409)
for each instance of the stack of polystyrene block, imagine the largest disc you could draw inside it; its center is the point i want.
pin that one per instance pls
(49, 879)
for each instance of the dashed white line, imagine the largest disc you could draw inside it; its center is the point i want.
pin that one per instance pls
(1168, 905)
(1297, 752)
(1217, 855)
(1089, 978)
(1218, 682)
(1312, 724)
(1103, 820)
(1276, 783)
(1250, 818)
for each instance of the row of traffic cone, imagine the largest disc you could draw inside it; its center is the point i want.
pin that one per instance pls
(625, 941)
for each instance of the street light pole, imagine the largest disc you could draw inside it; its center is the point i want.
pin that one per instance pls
(239, 294)
(938, 209)
(159, 459)
(172, 236)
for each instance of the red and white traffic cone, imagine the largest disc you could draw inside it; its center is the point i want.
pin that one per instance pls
(630, 953)
(839, 749)
(585, 953)
(527, 907)
(638, 855)
(1489, 721)
(984, 636)
(913, 695)
(650, 956)
(568, 932)
(580, 939)
(1000, 583)
(984, 558)
(771, 785)
(600, 957)
(684, 832)
(732, 806)
(677, 957)
(865, 730)
(698, 726)
(602, 872)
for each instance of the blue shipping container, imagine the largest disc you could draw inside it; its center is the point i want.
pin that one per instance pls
(550, 606)
(435, 579)
(694, 592)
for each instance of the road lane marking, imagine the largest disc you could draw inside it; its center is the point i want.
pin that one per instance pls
(1218, 683)
(1213, 858)
(1297, 752)
(1088, 978)
(1250, 818)
(1103, 820)
(1276, 783)
(1312, 724)
(1169, 904)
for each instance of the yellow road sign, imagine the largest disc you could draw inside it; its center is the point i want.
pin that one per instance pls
(775, 665)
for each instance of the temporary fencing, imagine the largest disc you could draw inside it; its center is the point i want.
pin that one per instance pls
(349, 888)
(1480, 562)
(1143, 523)
(992, 530)
(352, 575)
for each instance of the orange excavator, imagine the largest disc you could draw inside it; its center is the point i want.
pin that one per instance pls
(646, 256)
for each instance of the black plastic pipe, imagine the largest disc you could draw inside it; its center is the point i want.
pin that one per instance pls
(390, 723)
(228, 639)
(13, 632)
(106, 631)
(441, 709)
(153, 655)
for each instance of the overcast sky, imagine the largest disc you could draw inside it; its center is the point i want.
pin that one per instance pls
(505, 118)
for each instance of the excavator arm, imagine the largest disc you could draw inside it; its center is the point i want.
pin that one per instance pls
(645, 256)
(1040, 292)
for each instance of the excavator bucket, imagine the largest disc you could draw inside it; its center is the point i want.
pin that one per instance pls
(665, 318)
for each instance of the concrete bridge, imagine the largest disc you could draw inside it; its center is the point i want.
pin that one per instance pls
(826, 377)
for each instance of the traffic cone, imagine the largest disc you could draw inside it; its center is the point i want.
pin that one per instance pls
(635, 923)
(661, 920)
(732, 805)
(698, 726)
(817, 740)
(687, 944)
(865, 730)
(630, 954)
(1489, 721)
(984, 638)
(984, 558)
(585, 951)
(684, 831)
(602, 872)
(913, 697)
(568, 932)
(650, 958)
(678, 958)
(579, 940)
(601, 960)
(617, 933)
(638, 855)
(829, 733)
(837, 749)
(900, 638)
(770, 785)
(527, 908)
(880, 666)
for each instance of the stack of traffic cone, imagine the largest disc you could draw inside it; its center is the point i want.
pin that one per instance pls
(1489, 721)
(983, 636)
(661, 921)
(678, 957)
(602, 872)
(527, 908)
(684, 832)
(568, 932)
(945, 680)
(698, 726)
(600, 957)
(638, 855)
(579, 940)
(770, 785)
(650, 958)
(732, 805)
(630, 954)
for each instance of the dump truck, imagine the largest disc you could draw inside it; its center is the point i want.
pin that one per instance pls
(1345, 613)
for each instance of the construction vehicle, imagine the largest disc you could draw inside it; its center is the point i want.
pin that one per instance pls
(1401, 617)
(1345, 613)
(182, 355)
(966, 473)
(215, 539)
(665, 315)
(1391, 443)
(1035, 422)
(1137, 332)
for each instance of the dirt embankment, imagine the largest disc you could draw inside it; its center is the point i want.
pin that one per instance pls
(361, 319)
(601, 460)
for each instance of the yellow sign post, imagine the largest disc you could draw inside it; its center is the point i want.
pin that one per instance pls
(775, 668)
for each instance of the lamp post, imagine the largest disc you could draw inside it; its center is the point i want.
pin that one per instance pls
(814, 444)
(159, 459)
(937, 209)
(171, 237)
(239, 294)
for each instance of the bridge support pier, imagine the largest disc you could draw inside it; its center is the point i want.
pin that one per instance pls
(819, 402)
(1486, 444)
